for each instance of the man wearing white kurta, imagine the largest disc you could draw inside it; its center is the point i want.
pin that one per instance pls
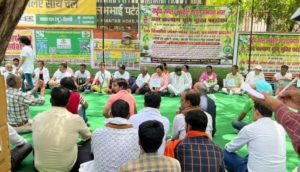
(178, 82)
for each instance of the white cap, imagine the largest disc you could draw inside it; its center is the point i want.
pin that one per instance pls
(258, 67)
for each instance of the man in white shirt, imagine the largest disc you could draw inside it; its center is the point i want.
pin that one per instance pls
(254, 76)
(69, 70)
(41, 73)
(141, 85)
(282, 78)
(55, 134)
(121, 73)
(102, 80)
(185, 68)
(58, 75)
(178, 82)
(265, 140)
(27, 62)
(151, 112)
(190, 101)
(82, 78)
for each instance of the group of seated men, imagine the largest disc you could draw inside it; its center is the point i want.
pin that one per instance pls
(161, 80)
(133, 141)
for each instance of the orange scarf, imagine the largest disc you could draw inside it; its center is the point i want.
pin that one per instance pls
(170, 148)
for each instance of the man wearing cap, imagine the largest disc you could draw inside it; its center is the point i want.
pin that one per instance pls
(254, 76)
(121, 73)
(249, 105)
(178, 82)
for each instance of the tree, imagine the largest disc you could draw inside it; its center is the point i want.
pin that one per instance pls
(276, 14)
(10, 14)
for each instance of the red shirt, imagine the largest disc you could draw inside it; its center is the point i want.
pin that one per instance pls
(73, 103)
(291, 123)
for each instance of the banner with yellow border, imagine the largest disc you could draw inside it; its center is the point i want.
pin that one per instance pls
(270, 51)
(60, 13)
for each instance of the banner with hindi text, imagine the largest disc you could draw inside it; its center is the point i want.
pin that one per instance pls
(189, 34)
(270, 51)
(117, 13)
(60, 13)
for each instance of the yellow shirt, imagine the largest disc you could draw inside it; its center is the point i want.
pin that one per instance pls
(237, 80)
(55, 134)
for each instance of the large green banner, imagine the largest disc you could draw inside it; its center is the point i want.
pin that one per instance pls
(270, 51)
(63, 43)
(190, 34)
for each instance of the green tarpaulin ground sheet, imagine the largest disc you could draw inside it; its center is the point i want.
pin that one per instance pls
(228, 108)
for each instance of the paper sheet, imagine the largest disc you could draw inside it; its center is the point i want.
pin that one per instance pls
(246, 87)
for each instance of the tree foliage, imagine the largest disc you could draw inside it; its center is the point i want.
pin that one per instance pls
(275, 13)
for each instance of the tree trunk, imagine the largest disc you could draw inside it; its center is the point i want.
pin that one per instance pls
(10, 14)
(269, 22)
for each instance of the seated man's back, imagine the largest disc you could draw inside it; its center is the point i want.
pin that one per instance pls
(55, 133)
(265, 140)
(117, 142)
(196, 152)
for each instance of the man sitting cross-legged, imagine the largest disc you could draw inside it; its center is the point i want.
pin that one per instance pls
(159, 80)
(120, 86)
(141, 85)
(265, 140)
(178, 82)
(55, 134)
(102, 80)
(82, 78)
(114, 144)
(233, 81)
(18, 103)
(196, 152)
(151, 134)
(261, 86)
(59, 74)
(151, 112)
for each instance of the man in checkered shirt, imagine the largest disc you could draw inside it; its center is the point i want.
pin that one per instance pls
(151, 134)
(19, 102)
(196, 152)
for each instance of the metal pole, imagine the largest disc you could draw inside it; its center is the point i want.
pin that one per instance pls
(251, 35)
(103, 31)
